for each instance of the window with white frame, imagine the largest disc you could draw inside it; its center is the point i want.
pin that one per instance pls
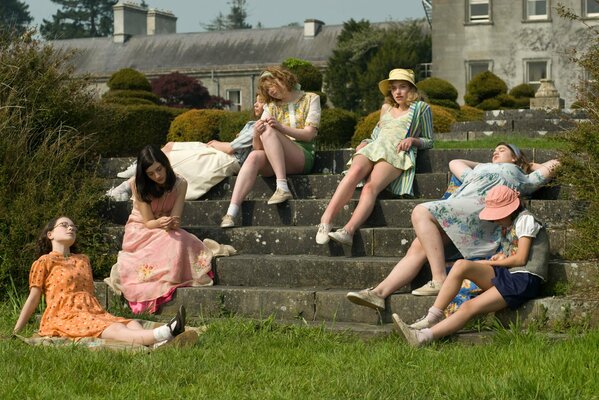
(479, 10)
(535, 71)
(234, 96)
(591, 8)
(536, 9)
(474, 68)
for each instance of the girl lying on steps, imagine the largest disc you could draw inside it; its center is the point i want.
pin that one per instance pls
(72, 310)
(508, 279)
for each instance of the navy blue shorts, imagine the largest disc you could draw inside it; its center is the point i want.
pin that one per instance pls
(516, 288)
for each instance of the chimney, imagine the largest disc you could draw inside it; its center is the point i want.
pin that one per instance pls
(312, 27)
(129, 19)
(160, 22)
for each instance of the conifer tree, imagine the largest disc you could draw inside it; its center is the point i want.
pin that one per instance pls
(80, 19)
(14, 14)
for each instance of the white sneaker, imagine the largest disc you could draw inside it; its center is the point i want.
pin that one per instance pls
(422, 323)
(431, 288)
(227, 222)
(322, 236)
(120, 193)
(409, 335)
(366, 298)
(129, 172)
(341, 236)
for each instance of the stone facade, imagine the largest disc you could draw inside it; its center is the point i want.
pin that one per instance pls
(517, 43)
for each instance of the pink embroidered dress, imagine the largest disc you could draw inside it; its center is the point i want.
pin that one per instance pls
(155, 262)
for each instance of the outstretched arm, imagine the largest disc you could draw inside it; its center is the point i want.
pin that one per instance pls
(547, 169)
(459, 167)
(35, 294)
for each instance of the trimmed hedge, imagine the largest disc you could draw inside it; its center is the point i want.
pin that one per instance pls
(232, 123)
(522, 95)
(484, 86)
(364, 127)
(439, 92)
(129, 79)
(115, 96)
(196, 126)
(309, 77)
(469, 113)
(336, 128)
(443, 118)
(126, 129)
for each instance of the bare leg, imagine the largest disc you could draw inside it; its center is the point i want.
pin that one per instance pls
(478, 273)
(359, 169)
(381, 176)
(247, 175)
(122, 332)
(489, 301)
(433, 239)
(404, 272)
(134, 325)
(283, 155)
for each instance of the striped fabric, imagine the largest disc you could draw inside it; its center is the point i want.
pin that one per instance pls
(421, 126)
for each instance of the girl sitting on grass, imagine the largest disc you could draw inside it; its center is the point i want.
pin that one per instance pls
(72, 310)
(508, 279)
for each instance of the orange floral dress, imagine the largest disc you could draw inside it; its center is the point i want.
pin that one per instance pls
(72, 310)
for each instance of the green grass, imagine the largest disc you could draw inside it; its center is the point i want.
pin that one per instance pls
(491, 141)
(241, 359)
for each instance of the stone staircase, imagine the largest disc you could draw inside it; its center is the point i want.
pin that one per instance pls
(280, 271)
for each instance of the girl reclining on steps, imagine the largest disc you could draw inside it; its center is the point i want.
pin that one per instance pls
(446, 225)
(158, 256)
(508, 279)
(388, 159)
(202, 165)
(72, 310)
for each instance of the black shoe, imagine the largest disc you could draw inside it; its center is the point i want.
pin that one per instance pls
(178, 321)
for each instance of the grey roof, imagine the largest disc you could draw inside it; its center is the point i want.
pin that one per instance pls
(219, 50)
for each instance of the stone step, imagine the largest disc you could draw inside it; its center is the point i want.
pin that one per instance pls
(307, 212)
(334, 161)
(331, 305)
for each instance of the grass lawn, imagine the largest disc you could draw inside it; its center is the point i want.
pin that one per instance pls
(490, 142)
(241, 359)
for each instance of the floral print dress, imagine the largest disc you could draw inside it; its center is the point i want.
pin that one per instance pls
(458, 215)
(154, 262)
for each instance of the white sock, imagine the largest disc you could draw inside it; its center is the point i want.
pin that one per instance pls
(124, 187)
(233, 210)
(162, 333)
(434, 315)
(282, 184)
(424, 335)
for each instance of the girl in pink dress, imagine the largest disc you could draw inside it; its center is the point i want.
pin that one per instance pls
(72, 310)
(158, 256)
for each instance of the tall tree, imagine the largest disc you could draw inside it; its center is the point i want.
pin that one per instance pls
(79, 19)
(14, 14)
(236, 19)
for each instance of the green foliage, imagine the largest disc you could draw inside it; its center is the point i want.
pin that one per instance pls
(236, 19)
(443, 118)
(439, 91)
(307, 74)
(364, 128)
(489, 104)
(196, 126)
(484, 86)
(336, 128)
(126, 129)
(231, 124)
(129, 96)
(523, 90)
(468, 113)
(129, 79)
(46, 140)
(14, 14)
(364, 56)
(80, 19)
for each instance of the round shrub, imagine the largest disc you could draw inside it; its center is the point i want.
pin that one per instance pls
(112, 96)
(468, 113)
(442, 119)
(445, 103)
(127, 101)
(438, 89)
(129, 79)
(232, 123)
(364, 128)
(336, 128)
(483, 86)
(489, 104)
(307, 74)
(523, 90)
(196, 126)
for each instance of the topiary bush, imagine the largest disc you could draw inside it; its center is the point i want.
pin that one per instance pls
(232, 123)
(468, 113)
(129, 79)
(126, 129)
(489, 104)
(307, 74)
(127, 96)
(336, 128)
(439, 92)
(364, 127)
(196, 126)
(443, 118)
(522, 95)
(484, 86)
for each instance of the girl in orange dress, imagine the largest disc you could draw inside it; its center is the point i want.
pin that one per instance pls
(72, 310)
